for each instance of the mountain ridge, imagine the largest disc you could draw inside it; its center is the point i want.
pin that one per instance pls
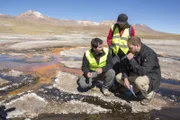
(32, 18)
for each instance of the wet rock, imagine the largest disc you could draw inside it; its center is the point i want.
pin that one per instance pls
(72, 64)
(3, 81)
(38, 58)
(76, 107)
(68, 83)
(17, 54)
(73, 58)
(14, 73)
(15, 81)
(28, 105)
(74, 52)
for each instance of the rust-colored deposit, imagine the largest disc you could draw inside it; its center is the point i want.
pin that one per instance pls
(45, 72)
(56, 51)
(74, 71)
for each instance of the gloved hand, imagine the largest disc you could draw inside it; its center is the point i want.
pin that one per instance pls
(115, 59)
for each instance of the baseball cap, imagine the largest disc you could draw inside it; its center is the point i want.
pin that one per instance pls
(122, 19)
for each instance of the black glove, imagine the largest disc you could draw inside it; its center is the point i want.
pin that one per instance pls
(115, 59)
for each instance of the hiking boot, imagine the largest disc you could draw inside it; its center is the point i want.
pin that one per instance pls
(94, 88)
(147, 101)
(106, 92)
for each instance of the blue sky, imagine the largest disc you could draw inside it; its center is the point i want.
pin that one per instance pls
(160, 15)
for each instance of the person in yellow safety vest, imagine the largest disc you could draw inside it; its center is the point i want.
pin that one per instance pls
(97, 65)
(117, 39)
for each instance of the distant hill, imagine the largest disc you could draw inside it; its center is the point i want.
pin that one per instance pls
(32, 22)
(35, 16)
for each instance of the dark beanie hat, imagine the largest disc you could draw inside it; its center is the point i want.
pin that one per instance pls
(122, 19)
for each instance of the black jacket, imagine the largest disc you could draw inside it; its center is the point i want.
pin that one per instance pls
(85, 63)
(147, 63)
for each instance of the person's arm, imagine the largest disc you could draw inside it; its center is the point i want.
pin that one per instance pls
(109, 37)
(132, 31)
(124, 75)
(126, 83)
(108, 63)
(124, 68)
(147, 65)
(85, 65)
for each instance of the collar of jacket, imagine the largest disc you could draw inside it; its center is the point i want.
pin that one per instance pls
(127, 25)
(99, 55)
(121, 29)
(141, 49)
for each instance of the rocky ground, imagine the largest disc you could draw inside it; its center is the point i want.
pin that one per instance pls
(37, 99)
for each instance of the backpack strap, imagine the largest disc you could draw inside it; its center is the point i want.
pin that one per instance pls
(130, 31)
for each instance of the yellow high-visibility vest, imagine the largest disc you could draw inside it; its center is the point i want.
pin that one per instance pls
(118, 42)
(92, 62)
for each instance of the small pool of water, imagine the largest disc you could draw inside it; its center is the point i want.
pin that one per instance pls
(170, 57)
(173, 82)
(24, 59)
(65, 58)
(8, 58)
